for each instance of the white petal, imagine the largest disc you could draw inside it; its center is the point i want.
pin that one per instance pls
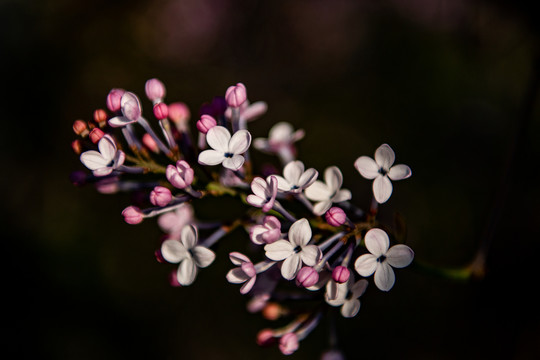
(120, 121)
(256, 201)
(318, 191)
(400, 256)
(366, 264)
(350, 308)
(237, 276)
(248, 285)
(234, 163)
(321, 207)
(384, 156)
(238, 258)
(280, 132)
(399, 172)
(311, 255)
(173, 251)
(107, 148)
(93, 160)
(202, 256)
(211, 157)
(282, 184)
(291, 266)
(240, 142)
(333, 178)
(292, 171)
(131, 107)
(259, 187)
(377, 242)
(342, 195)
(382, 189)
(359, 288)
(104, 171)
(255, 110)
(188, 237)
(279, 250)
(218, 138)
(307, 178)
(119, 158)
(384, 276)
(300, 233)
(367, 167)
(187, 271)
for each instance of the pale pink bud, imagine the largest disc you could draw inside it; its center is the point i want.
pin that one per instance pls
(100, 116)
(155, 90)
(335, 216)
(181, 175)
(96, 134)
(76, 146)
(161, 111)
(272, 311)
(80, 127)
(236, 95)
(307, 276)
(206, 123)
(341, 274)
(178, 112)
(132, 215)
(114, 99)
(160, 196)
(288, 343)
(266, 337)
(150, 143)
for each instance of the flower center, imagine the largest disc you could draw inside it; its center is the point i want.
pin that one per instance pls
(383, 171)
(297, 249)
(229, 155)
(381, 258)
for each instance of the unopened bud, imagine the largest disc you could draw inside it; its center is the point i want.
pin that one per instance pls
(272, 311)
(155, 90)
(80, 128)
(341, 274)
(173, 279)
(160, 196)
(335, 216)
(132, 215)
(76, 146)
(150, 143)
(114, 99)
(181, 175)
(206, 123)
(236, 95)
(100, 116)
(161, 111)
(178, 112)
(96, 134)
(288, 343)
(266, 337)
(307, 277)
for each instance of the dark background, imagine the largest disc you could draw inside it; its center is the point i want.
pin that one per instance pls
(452, 86)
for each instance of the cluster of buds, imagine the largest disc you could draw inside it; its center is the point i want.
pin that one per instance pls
(324, 253)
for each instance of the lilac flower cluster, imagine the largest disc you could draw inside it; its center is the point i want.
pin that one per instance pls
(327, 246)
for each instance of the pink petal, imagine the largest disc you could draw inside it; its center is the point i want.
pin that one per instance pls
(173, 251)
(203, 256)
(311, 255)
(318, 191)
(93, 160)
(248, 285)
(238, 258)
(307, 178)
(236, 276)
(321, 207)
(293, 171)
(107, 147)
(188, 236)
(350, 308)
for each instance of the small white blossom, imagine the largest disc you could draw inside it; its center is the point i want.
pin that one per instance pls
(346, 295)
(295, 250)
(328, 192)
(245, 273)
(381, 259)
(294, 178)
(264, 193)
(173, 222)
(281, 134)
(382, 171)
(108, 158)
(226, 150)
(188, 254)
(131, 110)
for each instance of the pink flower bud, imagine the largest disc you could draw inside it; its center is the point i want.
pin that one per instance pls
(114, 99)
(108, 185)
(236, 95)
(155, 90)
(150, 143)
(160, 196)
(266, 337)
(161, 111)
(76, 146)
(341, 274)
(100, 116)
(206, 123)
(307, 276)
(178, 112)
(181, 175)
(132, 215)
(96, 134)
(288, 343)
(335, 216)
(80, 127)
(272, 311)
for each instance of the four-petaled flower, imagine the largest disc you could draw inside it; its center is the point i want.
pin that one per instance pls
(295, 250)
(108, 158)
(267, 233)
(382, 259)
(173, 222)
(226, 150)
(245, 273)
(281, 135)
(264, 193)
(131, 110)
(328, 192)
(346, 295)
(382, 171)
(294, 178)
(188, 254)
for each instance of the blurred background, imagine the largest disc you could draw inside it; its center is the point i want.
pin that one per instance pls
(451, 85)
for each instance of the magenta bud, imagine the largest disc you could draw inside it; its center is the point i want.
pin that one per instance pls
(150, 143)
(181, 175)
(76, 146)
(132, 215)
(335, 216)
(114, 99)
(249, 269)
(266, 337)
(236, 95)
(79, 127)
(206, 123)
(341, 274)
(96, 134)
(288, 343)
(173, 279)
(307, 276)
(100, 116)
(178, 112)
(161, 111)
(155, 90)
(160, 196)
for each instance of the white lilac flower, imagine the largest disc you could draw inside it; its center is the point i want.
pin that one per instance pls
(108, 158)
(267, 233)
(281, 139)
(346, 295)
(225, 150)
(294, 178)
(381, 259)
(382, 171)
(131, 110)
(328, 192)
(188, 254)
(173, 222)
(264, 193)
(295, 250)
(245, 273)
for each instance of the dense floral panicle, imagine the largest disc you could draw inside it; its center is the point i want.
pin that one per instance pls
(160, 196)
(267, 233)
(382, 171)
(205, 123)
(181, 175)
(106, 160)
(155, 90)
(225, 150)
(381, 259)
(264, 193)
(236, 95)
(328, 192)
(114, 99)
(295, 178)
(132, 215)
